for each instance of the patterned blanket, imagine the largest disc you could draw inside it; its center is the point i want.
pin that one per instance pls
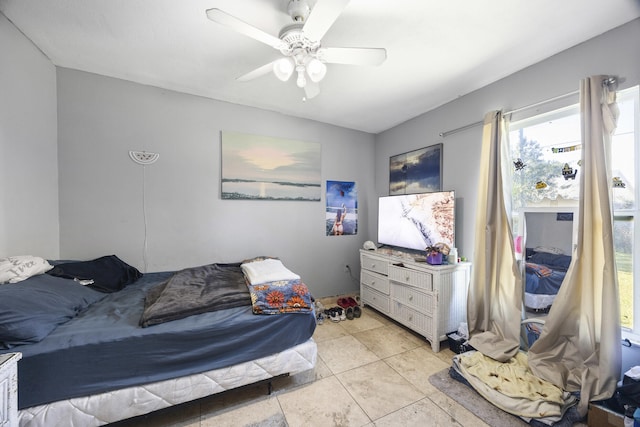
(274, 288)
(539, 269)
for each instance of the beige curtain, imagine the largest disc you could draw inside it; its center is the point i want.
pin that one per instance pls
(494, 302)
(579, 348)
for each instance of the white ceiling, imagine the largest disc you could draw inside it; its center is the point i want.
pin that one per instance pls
(436, 51)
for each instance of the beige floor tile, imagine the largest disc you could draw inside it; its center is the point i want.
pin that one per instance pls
(378, 389)
(417, 366)
(328, 330)
(365, 322)
(344, 353)
(264, 413)
(423, 413)
(461, 414)
(387, 340)
(444, 354)
(322, 370)
(373, 313)
(323, 403)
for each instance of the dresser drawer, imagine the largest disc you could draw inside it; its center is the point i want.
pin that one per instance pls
(423, 302)
(419, 322)
(375, 281)
(375, 299)
(419, 279)
(378, 265)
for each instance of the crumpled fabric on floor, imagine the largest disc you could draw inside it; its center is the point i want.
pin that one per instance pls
(512, 387)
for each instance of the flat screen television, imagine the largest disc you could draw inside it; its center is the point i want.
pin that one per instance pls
(415, 221)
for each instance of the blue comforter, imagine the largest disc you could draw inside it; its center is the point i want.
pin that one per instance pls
(104, 348)
(545, 272)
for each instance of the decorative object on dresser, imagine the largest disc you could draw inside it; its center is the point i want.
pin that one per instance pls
(430, 300)
(9, 389)
(435, 253)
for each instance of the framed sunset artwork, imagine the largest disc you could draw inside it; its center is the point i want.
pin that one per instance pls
(268, 168)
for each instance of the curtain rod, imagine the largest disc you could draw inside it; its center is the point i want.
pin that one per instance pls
(516, 110)
(611, 81)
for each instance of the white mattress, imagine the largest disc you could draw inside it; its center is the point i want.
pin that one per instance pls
(538, 301)
(125, 403)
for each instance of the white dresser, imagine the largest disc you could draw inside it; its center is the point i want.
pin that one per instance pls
(429, 299)
(9, 389)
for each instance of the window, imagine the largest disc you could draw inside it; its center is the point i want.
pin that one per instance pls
(625, 166)
(546, 152)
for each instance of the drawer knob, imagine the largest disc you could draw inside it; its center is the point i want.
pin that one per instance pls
(410, 318)
(410, 297)
(373, 282)
(373, 265)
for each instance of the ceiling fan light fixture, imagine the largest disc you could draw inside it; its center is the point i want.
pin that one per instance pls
(301, 81)
(283, 68)
(316, 70)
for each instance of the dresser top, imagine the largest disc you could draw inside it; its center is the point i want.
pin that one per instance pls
(415, 259)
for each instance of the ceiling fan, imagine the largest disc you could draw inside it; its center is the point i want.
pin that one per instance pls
(300, 44)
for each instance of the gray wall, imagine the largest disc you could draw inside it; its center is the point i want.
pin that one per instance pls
(187, 223)
(544, 229)
(95, 192)
(615, 52)
(28, 150)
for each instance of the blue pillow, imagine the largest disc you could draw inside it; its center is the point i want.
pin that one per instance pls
(106, 274)
(551, 260)
(30, 310)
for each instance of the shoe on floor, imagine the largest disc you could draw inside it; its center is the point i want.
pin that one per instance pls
(334, 315)
(357, 311)
(349, 313)
(342, 302)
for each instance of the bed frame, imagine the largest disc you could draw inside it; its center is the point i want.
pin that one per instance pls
(116, 405)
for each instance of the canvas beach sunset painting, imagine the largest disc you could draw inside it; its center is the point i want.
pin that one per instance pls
(268, 168)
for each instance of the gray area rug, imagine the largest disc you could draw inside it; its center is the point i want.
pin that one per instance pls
(471, 400)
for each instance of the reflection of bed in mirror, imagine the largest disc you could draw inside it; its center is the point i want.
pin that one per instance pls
(548, 237)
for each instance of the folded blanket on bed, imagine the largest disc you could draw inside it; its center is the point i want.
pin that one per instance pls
(267, 270)
(194, 291)
(539, 269)
(280, 296)
(274, 288)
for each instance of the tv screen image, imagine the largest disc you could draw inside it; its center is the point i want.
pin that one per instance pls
(415, 221)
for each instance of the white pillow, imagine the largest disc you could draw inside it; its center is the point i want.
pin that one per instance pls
(268, 270)
(17, 268)
(549, 249)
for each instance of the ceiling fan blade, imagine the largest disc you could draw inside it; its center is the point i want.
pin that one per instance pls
(353, 55)
(322, 17)
(258, 72)
(221, 17)
(311, 89)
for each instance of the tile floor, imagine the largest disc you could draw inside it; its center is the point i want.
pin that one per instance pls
(370, 372)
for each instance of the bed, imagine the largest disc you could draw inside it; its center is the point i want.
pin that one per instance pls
(93, 356)
(544, 273)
